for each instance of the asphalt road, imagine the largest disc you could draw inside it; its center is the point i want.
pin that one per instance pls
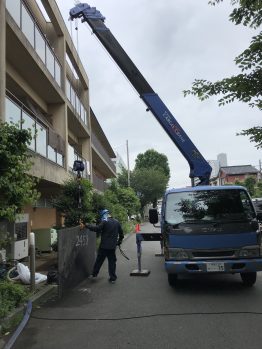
(215, 311)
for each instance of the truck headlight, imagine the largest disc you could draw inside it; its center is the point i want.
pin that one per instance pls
(247, 252)
(178, 253)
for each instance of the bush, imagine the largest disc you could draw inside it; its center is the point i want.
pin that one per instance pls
(128, 227)
(11, 296)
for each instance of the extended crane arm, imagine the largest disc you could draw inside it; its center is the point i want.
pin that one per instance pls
(199, 167)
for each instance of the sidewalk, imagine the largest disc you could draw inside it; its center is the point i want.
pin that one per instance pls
(93, 299)
(43, 292)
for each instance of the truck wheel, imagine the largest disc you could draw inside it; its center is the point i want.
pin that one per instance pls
(172, 279)
(249, 278)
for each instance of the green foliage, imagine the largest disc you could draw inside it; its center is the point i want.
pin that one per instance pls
(67, 203)
(5, 239)
(122, 177)
(149, 184)
(99, 203)
(258, 190)
(128, 226)
(246, 86)
(129, 200)
(11, 296)
(250, 184)
(17, 187)
(153, 159)
(148, 180)
(255, 135)
(150, 177)
(247, 12)
(121, 202)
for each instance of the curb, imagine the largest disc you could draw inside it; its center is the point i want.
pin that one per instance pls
(24, 311)
(21, 326)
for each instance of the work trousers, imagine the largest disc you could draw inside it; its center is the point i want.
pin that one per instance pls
(102, 254)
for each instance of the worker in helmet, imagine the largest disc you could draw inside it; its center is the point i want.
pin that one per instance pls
(112, 235)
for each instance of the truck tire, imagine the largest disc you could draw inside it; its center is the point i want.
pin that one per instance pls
(172, 279)
(249, 279)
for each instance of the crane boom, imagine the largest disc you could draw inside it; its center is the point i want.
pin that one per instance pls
(199, 167)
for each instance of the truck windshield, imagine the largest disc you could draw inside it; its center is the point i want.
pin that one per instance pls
(208, 206)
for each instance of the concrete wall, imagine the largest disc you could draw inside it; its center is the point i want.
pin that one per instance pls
(76, 256)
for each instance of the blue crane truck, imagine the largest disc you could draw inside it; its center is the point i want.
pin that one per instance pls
(204, 229)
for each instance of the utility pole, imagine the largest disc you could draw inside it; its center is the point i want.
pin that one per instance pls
(128, 169)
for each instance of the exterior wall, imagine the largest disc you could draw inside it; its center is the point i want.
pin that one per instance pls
(41, 89)
(225, 179)
(2, 58)
(41, 217)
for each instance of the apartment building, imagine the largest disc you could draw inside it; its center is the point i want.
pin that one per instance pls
(44, 87)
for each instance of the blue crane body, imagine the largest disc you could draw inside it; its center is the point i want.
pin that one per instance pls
(199, 167)
(204, 229)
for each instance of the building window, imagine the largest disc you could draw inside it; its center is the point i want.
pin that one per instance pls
(73, 98)
(82, 113)
(71, 156)
(29, 123)
(50, 61)
(17, 115)
(28, 27)
(41, 140)
(40, 45)
(60, 159)
(26, 23)
(68, 88)
(14, 8)
(57, 72)
(13, 112)
(77, 105)
(51, 154)
(76, 102)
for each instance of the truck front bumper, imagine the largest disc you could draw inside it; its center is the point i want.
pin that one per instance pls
(215, 266)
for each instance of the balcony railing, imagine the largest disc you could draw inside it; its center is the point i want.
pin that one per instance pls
(37, 39)
(102, 151)
(99, 183)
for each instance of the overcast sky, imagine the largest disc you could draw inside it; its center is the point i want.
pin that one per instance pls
(171, 42)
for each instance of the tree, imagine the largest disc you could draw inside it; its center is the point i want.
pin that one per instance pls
(122, 177)
(149, 184)
(17, 187)
(258, 190)
(246, 86)
(75, 202)
(249, 183)
(155, 160)
(117, 196)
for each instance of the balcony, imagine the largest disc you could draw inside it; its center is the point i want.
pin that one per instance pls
(109, 167)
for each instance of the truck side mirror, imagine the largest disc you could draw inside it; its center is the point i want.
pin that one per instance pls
(153, 216)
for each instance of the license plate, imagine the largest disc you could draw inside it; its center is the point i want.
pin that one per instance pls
(215, 266)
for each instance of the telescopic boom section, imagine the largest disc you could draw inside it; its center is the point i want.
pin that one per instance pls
(199, 167)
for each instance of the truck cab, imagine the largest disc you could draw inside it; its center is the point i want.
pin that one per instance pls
(210, 229)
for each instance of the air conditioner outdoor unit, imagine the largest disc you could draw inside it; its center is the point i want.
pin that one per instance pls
(18, 232)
